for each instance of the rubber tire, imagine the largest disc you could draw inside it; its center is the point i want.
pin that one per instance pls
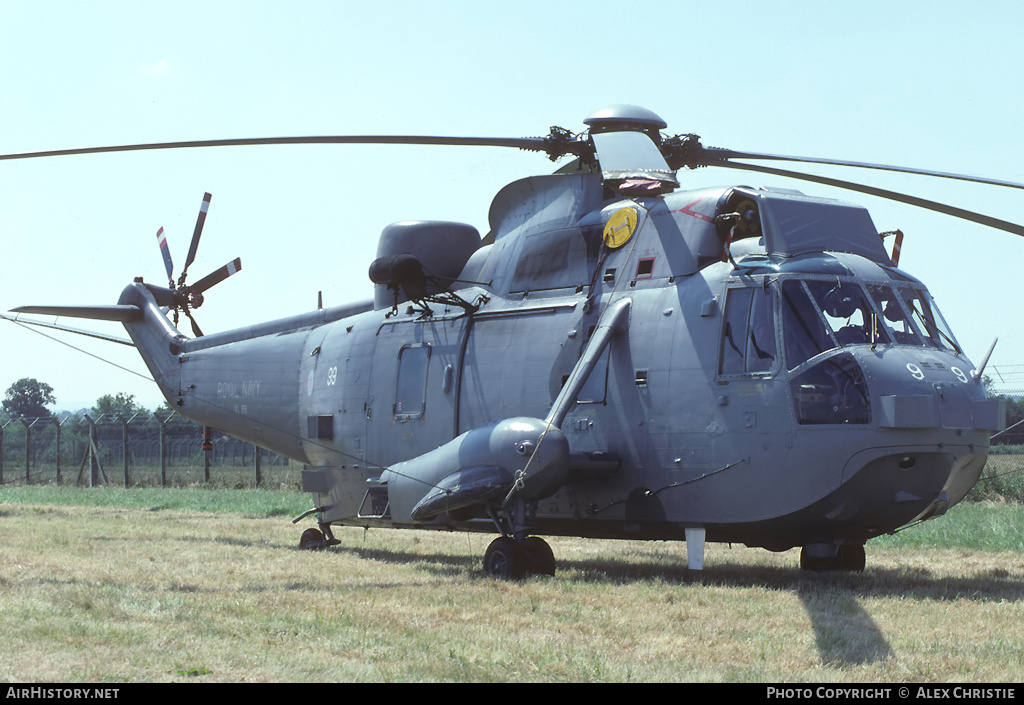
(814, 563)
(505, 559)
(849, 558)
(312, 540)
(852, 558)
(540, 559)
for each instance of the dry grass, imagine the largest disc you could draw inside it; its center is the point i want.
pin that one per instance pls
(104, 594)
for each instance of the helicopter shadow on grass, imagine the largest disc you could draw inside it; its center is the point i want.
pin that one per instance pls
(845, 632)
(439, 563)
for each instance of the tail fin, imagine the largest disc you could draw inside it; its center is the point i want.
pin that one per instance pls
(157, 340)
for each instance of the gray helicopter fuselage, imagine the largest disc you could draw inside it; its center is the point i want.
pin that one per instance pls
(800, 390)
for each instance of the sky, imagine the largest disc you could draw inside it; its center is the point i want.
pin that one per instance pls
(933, 85)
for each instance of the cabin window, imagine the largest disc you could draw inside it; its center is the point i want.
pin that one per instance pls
(748, 336)
(411, 395)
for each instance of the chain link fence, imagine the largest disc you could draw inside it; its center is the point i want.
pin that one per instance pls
(141, 451)
(150, 451)
(1003, 477)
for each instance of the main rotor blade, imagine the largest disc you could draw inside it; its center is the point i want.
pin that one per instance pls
(200, 221)
(884, 193)
(216, 277)
(716, 153)
(527, 143)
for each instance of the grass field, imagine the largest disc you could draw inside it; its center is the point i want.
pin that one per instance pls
(204, 585)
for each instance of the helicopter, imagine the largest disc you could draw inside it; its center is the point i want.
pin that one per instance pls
(616, 358)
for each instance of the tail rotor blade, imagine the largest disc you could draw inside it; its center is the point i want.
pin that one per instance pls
(195, 326)
(200, 221)
(217, 276)
(161, 239)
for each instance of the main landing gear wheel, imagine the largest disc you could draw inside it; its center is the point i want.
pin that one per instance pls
(539, 556)
(507, 559)
(852, 558)
(312, 540)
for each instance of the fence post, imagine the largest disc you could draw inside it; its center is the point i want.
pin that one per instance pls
(163, 450)
(256, 464)
(92, 456)
(56, 422)
(124, 447)
(28, 450)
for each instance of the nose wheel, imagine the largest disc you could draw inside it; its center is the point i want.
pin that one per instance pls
(508, 559)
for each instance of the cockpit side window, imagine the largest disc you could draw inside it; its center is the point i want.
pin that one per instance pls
(734, 334)
(748, 336)
(761, 347)
(804, 332)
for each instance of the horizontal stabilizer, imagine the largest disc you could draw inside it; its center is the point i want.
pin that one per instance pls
(117, 312)
(68, 329)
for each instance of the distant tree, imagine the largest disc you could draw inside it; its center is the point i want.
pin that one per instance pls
(28, 397)
(122, 404)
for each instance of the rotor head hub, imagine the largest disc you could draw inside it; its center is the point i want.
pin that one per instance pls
(620, 118)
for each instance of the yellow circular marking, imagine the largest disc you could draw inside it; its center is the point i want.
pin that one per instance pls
(620, 227)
